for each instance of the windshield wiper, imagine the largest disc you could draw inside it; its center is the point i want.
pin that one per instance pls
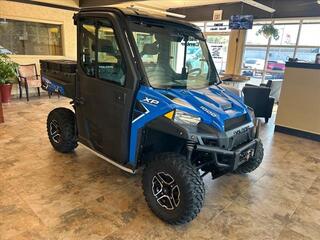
(184, 69)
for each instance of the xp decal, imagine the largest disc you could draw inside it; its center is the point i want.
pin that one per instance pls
(150, 101)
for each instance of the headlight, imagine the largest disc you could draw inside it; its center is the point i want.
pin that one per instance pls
(186, 118)
(252, 115)
(241, 95)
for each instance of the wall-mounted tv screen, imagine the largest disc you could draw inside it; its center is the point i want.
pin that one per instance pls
(241, 22)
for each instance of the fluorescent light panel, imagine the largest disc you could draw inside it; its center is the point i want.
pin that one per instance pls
(260, 6)
(146, 8)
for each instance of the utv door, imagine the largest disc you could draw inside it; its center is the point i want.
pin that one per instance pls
(106, 86)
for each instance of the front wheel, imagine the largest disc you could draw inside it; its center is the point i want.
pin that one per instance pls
(61, 130)
(173, 188)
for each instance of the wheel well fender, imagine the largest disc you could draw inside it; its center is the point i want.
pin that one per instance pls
(162, 135)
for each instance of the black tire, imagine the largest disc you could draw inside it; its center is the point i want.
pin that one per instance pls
(254, 162)
(187, 197)
(61, 130)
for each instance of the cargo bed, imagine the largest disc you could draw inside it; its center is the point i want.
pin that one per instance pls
(59, 76)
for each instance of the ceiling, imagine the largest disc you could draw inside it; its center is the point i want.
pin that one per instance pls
(160, 4)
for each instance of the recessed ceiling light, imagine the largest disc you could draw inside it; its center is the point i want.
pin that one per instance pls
(139, 7)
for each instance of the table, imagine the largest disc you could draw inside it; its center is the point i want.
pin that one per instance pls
(234, 80)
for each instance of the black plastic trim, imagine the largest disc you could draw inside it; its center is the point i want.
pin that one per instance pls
(303, 65)
(234, 153)
(165, 125)
(297, 133)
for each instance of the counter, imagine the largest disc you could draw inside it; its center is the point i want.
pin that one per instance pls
(299, 104)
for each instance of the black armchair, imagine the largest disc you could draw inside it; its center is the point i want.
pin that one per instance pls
(258, 98)
(268, 84)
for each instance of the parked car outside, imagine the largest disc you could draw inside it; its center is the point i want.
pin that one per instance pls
(253, 66)
(276, 65)
(4, 51)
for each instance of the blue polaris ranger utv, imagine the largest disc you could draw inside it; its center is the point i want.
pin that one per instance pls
(146, 94)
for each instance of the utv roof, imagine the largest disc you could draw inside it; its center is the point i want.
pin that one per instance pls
(140, 14)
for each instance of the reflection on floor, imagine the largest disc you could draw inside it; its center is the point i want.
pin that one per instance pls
(48, 195)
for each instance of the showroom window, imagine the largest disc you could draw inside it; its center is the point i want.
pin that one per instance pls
(254, 63)
(217, 34)
(253, 38)
(265, 58)
(30, 38)
(310, 34)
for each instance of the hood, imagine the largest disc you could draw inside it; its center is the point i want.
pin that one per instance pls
(214, 105)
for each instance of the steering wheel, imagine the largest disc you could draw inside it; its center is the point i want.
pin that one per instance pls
(195, 72)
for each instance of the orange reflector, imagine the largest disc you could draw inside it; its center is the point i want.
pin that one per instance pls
(169, 115)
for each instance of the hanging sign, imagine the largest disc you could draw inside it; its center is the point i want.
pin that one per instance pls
(217, 15)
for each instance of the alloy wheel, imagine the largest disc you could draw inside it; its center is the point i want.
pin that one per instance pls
(55, 131)
(166, 191)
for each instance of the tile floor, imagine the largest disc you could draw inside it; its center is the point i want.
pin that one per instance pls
(48, 195)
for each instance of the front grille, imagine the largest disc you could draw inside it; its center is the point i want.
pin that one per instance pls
(210, 142)
(240, 139)
(233, 123)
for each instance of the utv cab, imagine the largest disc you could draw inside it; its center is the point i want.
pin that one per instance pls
(146, 94)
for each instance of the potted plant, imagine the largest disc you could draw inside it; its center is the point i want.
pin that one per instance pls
(269, 31)
(7, 74)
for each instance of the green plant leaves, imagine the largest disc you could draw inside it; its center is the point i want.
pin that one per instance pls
(269, 31)
(7, 69)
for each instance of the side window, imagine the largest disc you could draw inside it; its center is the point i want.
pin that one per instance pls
(87, 41)
(110, 64)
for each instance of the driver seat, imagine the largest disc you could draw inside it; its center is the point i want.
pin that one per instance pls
(157, 73)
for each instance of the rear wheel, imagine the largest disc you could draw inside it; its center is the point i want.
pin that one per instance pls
(173, 188)
(61, 130)
(253, 163)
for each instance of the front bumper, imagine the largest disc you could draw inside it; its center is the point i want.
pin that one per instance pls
(235, 157)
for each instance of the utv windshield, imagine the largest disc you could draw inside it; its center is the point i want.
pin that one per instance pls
(174, 57)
